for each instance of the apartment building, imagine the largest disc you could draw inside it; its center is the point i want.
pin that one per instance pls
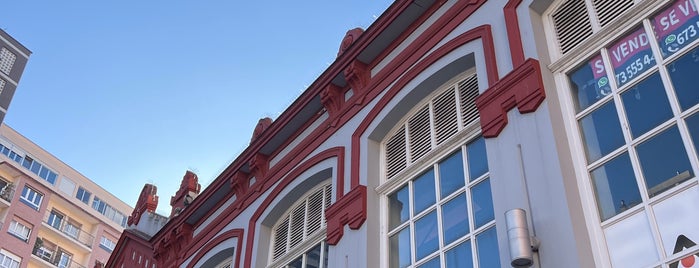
(13, 59)
(50, 214)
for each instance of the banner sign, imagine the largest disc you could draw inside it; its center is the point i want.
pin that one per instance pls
(600, 75)
(676, 26)
(631, 56)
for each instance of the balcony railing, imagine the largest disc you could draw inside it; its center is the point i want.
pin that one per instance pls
(56, 258)
(74, 232)
(7, 192)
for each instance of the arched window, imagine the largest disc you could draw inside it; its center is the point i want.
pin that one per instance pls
(298, 238)
(436, 188)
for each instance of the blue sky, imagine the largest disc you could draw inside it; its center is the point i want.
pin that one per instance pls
(130, 92)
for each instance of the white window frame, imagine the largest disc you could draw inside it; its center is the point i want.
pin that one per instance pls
(5, 257)
(20, 230)
(107, 243)
(561, 65)
(33, 197)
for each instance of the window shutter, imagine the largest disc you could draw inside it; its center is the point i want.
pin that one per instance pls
(608, 10)
(395, 153)
(315, 212)
(280, 238)
(445, 121)
(297, 223)
(468, 91)
(419, 134)
(572, 24)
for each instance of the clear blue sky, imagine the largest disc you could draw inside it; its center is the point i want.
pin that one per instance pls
(130, 92)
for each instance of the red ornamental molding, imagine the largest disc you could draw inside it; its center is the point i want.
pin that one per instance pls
(239, 183)
(522, 88)
(147, 201)
(350, 210)
(167, 251)
(350, 37)
(262, 125)
(332, 99)
(513, 35)
(259, 164)
(200, 252)
(357, 75)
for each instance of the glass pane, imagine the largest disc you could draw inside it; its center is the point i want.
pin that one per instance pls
(477, 159)
(681, 73)
(399, 209)
(451, 174)
(455, 219)
(433, 263)
(325, 255)
(400, 248)
(631, 56)
(630, 242)
(423, 191)
(482, 203)
(297, 263)
(487, 243)
(693, 126)
(313, 257)
(676, 26)
(601, 132)
(589, 83)
(664, 161)
(426, 235)
(615, 187)
(677, 219)
(646, 105)
(460, 256)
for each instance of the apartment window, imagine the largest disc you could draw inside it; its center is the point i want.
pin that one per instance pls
(7, 59)
(635, 105)
(108, 211)
(83, 195)
(9, 260)
(304, 222)
(31, 197)
(107, 244)
(19, 230)
(2, 85)
(55, 219)
(34, 166)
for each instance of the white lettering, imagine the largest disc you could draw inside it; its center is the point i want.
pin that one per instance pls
(599, 67)
(685, 8)
(628, 47)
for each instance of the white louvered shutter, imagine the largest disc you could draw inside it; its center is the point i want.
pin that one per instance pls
(419, 134)
(298, 218)
(280, 238)
(315, 212)
(395, 153)
(572, 24)
(608, 10)
(445, 119)
(468, 91)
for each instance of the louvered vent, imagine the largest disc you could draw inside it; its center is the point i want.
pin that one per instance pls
(7, 59)
(280, 238)
(395, 153)
(419, 134)
(572, 24)
(328, 197)
(297, 222)
(608, 10)
(2, 85)
(445, 120)
(315, 212)
(468, 91)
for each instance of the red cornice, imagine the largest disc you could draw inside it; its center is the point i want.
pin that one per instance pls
(349, 210)
(522, 88)
(201, 251)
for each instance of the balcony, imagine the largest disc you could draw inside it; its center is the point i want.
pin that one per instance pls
(7, 191)
(51, 256)
(65, 227)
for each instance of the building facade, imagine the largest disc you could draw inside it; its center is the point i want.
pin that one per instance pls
(443, 117)
(13, 59)
(50, 214)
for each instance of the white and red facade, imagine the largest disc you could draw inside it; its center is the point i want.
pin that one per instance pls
(443, 115)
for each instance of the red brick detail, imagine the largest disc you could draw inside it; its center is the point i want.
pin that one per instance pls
(522, 88)
(262, 125)
(147, 201)
(349, 39)
(348, 210)
(190, 184)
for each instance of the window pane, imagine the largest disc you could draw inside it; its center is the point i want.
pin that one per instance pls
(693, 126)
(646, 105)
(313, 257)
(615, 186)
(675, 27)
(297, 263)
(677, 219)
(426, 235)
(482, 203)
(477, 159)
(433, 263)
(631, 56)
(400, 248)
(423, 191)
(664, 161)
(455, 219)
(682, 73)
(589, 83)
(630, 242)
(601, 132)
(487, 243)
(460, 256)
(399, 209)
(451, 174)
